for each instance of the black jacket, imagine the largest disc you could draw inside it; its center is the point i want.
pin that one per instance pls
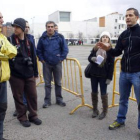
(129, 44)
(106, 71)
(20, 66)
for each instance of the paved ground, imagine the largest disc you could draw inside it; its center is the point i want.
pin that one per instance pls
(59, 125)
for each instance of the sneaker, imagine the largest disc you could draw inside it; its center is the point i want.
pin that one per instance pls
(115, 125)
(46, 105)
(61, 103)
(15, 113)
(25, 123)
(36, 121)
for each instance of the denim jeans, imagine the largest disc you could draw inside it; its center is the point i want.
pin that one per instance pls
(102, 82)
(125, 83)
(56, 70)
(3, 105)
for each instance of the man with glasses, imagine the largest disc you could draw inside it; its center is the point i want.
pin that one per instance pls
(51, 51)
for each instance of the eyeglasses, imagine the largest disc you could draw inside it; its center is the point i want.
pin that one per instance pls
(27, 27)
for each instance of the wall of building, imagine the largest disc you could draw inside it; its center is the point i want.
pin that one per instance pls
(54, 17)
(113, 21)
(102, 21)
(91, 28)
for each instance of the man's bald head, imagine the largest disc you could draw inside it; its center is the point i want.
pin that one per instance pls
(1, 20)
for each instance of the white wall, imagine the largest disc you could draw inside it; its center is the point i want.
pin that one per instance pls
(89, 28)
(54, 17)
(110, 24)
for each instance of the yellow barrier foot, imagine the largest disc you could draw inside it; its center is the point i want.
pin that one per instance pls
(113, 105)
(75, 109)
(39, 83)
(79, 107)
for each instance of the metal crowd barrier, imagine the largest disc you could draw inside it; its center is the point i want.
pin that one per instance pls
(132, 96)
(71, 80)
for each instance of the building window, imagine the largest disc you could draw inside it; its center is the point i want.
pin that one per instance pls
(65, 16)
(115, 20)
(119, 26)
(119, 18)
(115, 27)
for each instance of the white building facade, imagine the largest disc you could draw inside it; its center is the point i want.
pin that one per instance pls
(86, 30)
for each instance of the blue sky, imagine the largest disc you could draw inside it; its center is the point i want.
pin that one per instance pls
(81, 9)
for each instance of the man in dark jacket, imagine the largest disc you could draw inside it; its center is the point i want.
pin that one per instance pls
(31, 38)
(23, 73)
(52, 50)
(129, 44)
(56, 28)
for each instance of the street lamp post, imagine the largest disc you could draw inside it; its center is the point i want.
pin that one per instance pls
(87, 31)
(33, 25)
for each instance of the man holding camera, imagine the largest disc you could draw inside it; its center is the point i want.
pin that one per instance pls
(23, 73)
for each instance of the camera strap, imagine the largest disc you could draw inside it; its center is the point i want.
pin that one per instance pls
(27, 44)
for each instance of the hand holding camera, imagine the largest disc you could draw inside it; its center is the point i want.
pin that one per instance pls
(28, 61)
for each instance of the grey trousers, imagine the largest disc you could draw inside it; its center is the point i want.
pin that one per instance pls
(56, 70)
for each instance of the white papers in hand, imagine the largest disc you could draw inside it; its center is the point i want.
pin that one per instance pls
(99, 59)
